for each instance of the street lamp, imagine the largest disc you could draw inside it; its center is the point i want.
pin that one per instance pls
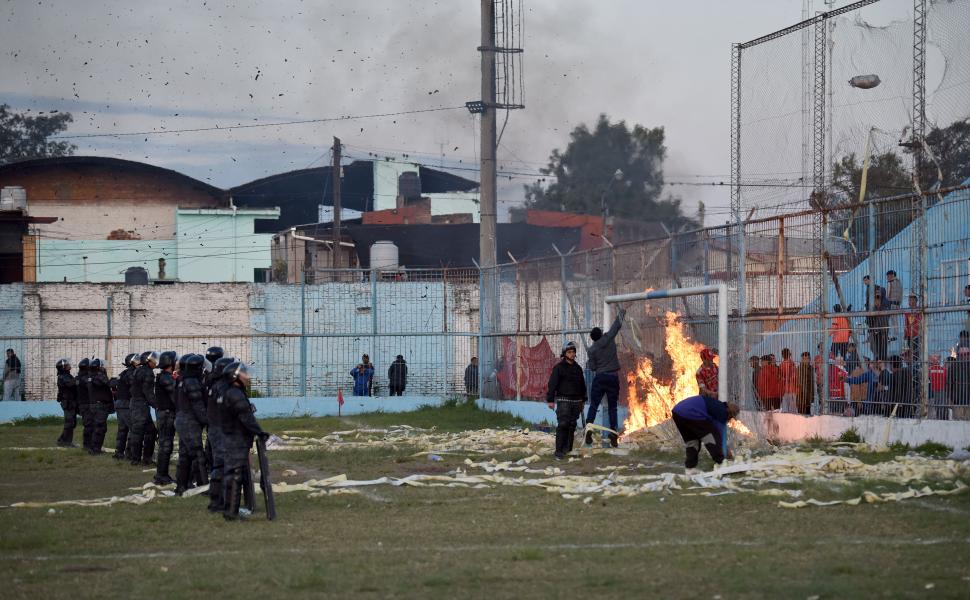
(617, 176)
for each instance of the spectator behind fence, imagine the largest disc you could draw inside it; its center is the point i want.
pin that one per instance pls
(397, 376)
(755, 364)
(966, 294)
(837, 377)
(362, 375)
(769, 384)
(966, 322)
(852, 360)
(806, 384)
(958, 385)
(789, 382)
(11, 376)
(877, 292)
(471, 380)
(878, 331)
(901, 389)
(937, 388)
(963, 341)
(911, 330)
(894, 291)
(869, 378)
(840, 331)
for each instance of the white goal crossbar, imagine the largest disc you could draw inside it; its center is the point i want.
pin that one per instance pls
(722, 320)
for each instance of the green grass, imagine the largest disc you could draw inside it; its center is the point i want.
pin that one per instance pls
(501, 542)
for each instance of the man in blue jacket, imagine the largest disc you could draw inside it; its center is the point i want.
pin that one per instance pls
(362, 375)
(703, 420)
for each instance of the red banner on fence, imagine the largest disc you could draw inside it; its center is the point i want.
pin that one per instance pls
(530, 374)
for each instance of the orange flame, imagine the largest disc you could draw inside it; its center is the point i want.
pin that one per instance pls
(651, 399)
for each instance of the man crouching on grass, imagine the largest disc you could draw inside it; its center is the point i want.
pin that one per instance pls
(567, 393)
(703, 420)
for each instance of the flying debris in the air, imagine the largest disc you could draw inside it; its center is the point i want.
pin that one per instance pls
(865, 82)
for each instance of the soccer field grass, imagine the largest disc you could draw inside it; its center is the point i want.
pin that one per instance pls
(496, 542)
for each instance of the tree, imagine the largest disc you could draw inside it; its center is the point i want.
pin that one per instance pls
(585, 175)
(23, 137)
(950, 147)
(887, 177)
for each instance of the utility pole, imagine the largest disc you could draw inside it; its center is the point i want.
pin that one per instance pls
(487, 188)
(335, 175)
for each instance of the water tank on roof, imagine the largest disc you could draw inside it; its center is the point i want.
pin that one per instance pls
(409, 186)
(136, 276)
(383, 256)
(13, 198)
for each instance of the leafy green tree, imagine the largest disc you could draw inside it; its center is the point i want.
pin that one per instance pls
(950, 147)
(887, 177)
(585, 174)
(23, 136)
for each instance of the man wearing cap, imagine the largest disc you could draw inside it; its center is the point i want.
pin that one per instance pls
(566, 394)
(606, 379)
(707, 375)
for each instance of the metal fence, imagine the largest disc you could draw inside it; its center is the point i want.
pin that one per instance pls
(304, 339)
(792, 284)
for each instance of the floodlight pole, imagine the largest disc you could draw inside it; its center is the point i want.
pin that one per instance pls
(722, 320)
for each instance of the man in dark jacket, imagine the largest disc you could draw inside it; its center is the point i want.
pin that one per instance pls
(122, 388)
(703, 420)
(216, 386)
(84, 403)
(239, 427)
(606, 375)
(958, 385)
(190, 420)
(471, 380)
(165, 415)
(102, 403)
(67, 397)
(141, 438)
(397, 376)
(566, 394)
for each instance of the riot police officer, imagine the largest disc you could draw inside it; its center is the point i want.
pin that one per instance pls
(141, 438)
(122, 401)
(102, 403)
(67, 397)
(165, 415)
(239, 427)
(190, 419)
(84, 402)
(217, 385)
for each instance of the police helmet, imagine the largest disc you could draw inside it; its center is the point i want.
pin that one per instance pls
(237, 371)
(149, 356)
(167, 359)
(570, 345)
(96, 364)
(194, 364)
(64, 365)
(182, 361)
(82, 365)
(214, 353)
(128, 359)
(220, 365)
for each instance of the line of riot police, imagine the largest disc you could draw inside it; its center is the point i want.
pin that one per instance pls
(202, 398)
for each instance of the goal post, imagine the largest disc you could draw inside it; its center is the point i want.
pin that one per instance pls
(722, 320)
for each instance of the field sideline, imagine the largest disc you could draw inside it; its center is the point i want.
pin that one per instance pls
(499, 542)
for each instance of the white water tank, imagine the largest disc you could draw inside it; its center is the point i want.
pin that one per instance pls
(383, 256)
(13, 198)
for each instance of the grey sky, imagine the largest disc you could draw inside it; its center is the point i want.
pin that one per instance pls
(133, 65)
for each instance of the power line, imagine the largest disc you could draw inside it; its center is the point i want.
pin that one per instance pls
(254, 125)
